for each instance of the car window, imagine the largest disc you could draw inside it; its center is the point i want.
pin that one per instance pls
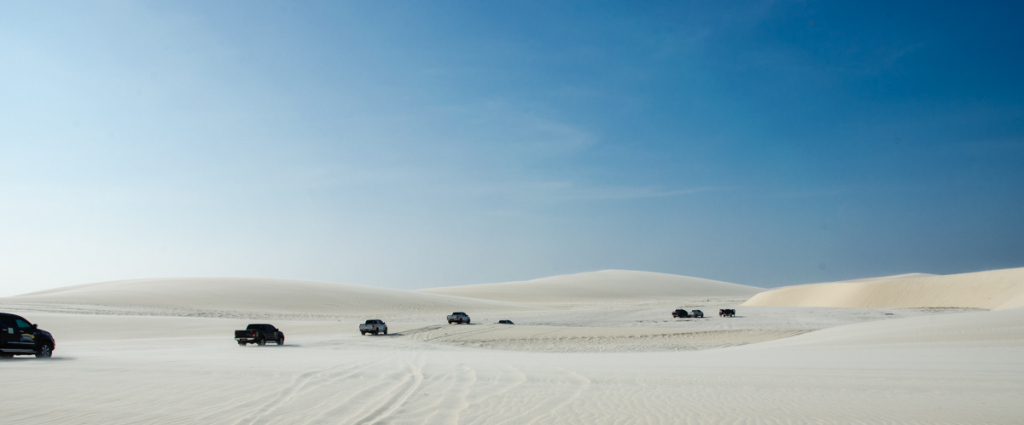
(22, 324)
(6, 322)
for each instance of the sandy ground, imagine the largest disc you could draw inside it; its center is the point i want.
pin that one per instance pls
(131, 352)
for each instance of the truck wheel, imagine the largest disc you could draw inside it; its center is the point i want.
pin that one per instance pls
(45, 351)
(449, 322)
(262, 341)
(280, 341)
(241, 343)
(467, 321)
(362, 332)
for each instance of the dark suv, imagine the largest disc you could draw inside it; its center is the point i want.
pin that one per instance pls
(19, 337)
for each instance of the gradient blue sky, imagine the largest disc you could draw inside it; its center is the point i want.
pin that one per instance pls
(419, 144)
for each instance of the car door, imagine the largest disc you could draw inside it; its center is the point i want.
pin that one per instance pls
(24, 334)
(6, 333)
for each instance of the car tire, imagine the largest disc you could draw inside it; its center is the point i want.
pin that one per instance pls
(45, 351)
(241, 344)
(262, 341)
(6, 356)
(280, 341)
(385, 331)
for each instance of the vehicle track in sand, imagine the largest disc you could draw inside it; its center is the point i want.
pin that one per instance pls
(580, 339)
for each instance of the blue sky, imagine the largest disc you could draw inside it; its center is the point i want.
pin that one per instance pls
(419, 144)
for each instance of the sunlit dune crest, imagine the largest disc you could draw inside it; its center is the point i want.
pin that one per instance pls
(993, 290)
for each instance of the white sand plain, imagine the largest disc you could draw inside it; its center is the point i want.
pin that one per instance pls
(161, 351)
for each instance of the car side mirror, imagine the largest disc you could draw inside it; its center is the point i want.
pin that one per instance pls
(34, 326)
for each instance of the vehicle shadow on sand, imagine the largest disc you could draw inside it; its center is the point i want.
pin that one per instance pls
(34, 359)
(274, 346)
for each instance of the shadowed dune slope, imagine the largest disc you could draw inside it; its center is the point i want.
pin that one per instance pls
(887, 278)
(996, 289)
(1004, 327)
(256, 295)
(607, 285)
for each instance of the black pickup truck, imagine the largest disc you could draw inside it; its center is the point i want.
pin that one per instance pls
(259, 334)
(680, 313)
(19, 337)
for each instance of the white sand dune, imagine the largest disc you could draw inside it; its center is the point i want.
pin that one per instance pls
(606, 285)
(991, 328)
(590, 356)
(886, 278)
(217, 296)
(996, 289)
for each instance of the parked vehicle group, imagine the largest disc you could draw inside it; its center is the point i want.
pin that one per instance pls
(680, 313)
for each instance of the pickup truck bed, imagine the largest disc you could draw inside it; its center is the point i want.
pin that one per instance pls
(373, 326)
(259, 334)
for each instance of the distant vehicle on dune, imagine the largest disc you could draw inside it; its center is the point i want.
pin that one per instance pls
(374, 326)
(697, 313)
(458, 317)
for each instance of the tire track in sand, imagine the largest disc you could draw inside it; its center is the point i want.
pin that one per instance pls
(413, 380)
(289, 393)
